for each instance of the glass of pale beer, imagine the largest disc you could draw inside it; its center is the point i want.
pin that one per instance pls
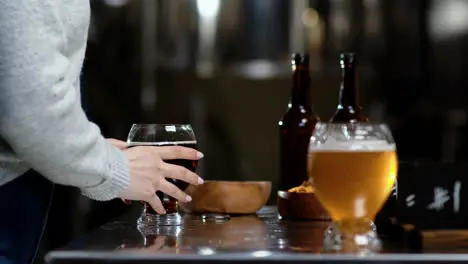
(353, 168)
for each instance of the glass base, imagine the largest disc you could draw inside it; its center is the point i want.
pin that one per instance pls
(151, 220)
(363, 242)
(160, 230)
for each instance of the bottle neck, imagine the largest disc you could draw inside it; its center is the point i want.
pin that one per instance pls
(349, 90)
(300, 93)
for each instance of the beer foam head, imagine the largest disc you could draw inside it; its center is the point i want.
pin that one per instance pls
(357, 145)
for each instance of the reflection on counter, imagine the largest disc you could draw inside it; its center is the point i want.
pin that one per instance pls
(302, 236)
(164, 239)
(239, 234)
(260, 234)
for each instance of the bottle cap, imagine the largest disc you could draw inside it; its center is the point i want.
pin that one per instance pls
(300, 59)
(347, 59)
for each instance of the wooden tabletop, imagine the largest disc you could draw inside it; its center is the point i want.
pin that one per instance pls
(263, 233)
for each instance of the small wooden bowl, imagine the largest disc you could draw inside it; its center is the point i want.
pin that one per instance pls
(305, 206)
(230, 197)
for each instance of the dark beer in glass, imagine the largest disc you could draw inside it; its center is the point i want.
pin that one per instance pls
(160, 135)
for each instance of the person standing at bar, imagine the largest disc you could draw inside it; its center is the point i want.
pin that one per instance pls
(44, 130)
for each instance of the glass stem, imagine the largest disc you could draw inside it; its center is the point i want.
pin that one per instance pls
(352, 236)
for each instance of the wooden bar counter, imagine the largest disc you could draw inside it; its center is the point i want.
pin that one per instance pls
(260, 238)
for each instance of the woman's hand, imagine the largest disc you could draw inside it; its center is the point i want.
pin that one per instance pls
(148, 173)
(117, 143)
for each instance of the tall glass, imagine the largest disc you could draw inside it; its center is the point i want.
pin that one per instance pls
(353, 168)
(164, 135)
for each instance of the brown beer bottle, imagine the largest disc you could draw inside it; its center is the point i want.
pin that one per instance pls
(348, 109)
(296, 126)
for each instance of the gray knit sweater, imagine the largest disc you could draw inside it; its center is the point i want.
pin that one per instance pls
(42, 123)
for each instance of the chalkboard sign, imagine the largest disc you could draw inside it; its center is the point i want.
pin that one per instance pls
(433, 195)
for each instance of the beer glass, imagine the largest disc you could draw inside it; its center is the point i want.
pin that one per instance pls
(353, 168)
(164, 135)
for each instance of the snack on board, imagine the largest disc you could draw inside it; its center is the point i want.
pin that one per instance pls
(301, 203)
(305, 187)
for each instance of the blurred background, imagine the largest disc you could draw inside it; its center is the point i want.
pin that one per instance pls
(223, 66)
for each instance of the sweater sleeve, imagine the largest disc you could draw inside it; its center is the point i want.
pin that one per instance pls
(40, 111)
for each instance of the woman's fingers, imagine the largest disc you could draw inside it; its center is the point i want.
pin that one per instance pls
(181, 173)
(155, 203)
(149, 173)
(178, 152)
(173, 191)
